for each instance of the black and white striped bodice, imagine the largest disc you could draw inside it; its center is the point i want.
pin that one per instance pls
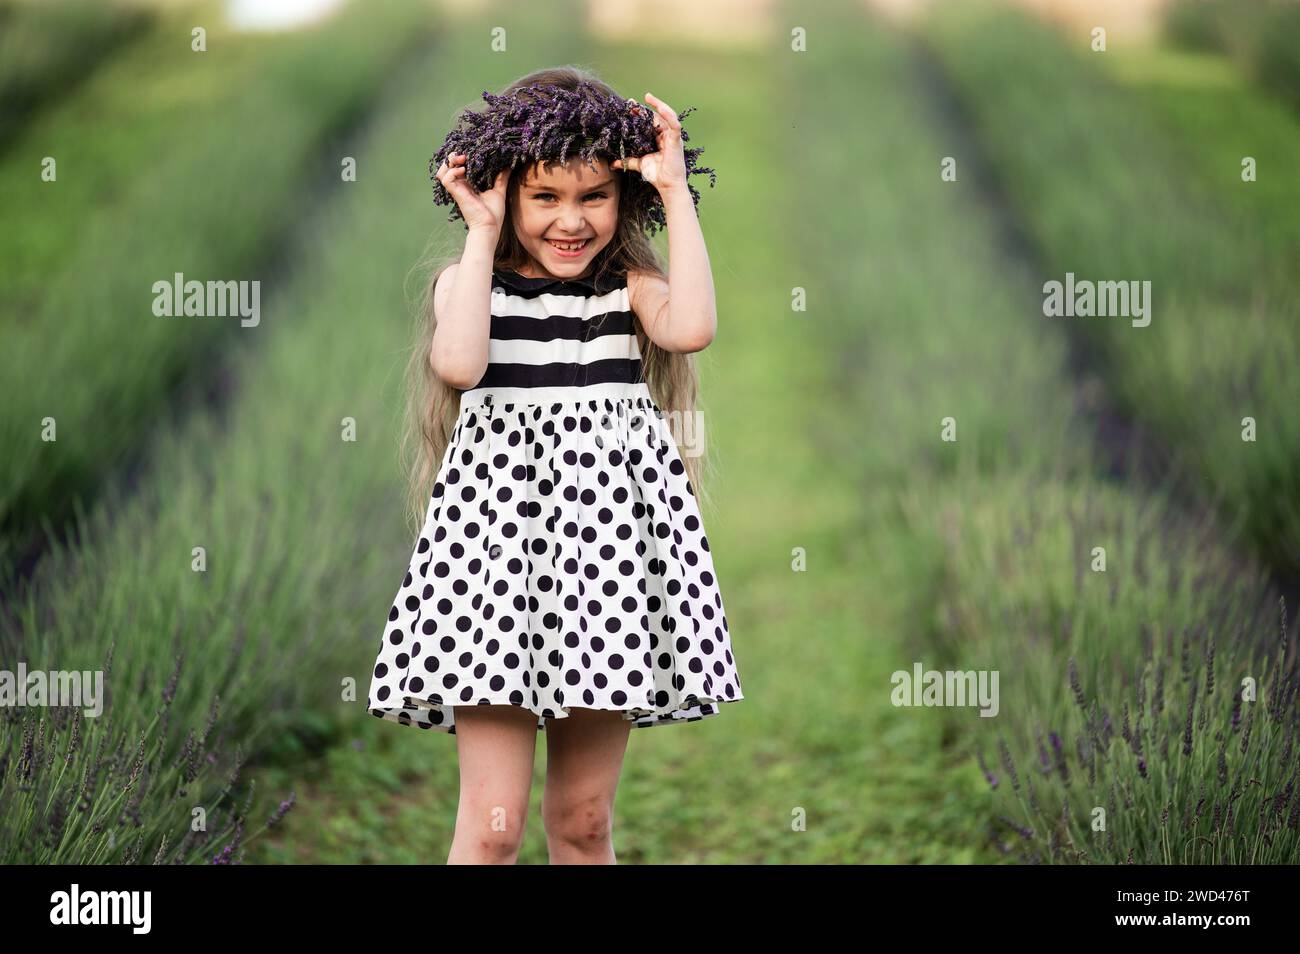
(559, 340)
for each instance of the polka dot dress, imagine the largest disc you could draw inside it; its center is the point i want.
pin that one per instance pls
(563, 562)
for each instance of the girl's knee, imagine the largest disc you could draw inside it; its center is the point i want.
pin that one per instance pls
(494, 830)
(578, 821)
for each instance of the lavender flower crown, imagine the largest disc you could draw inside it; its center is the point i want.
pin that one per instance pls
(550, 123)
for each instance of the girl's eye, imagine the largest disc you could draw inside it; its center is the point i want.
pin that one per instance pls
(550, 195)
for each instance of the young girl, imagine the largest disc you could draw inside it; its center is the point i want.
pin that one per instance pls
(562, 578)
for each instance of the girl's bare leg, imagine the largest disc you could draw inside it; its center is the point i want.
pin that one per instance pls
(584, 756)
(496, 745)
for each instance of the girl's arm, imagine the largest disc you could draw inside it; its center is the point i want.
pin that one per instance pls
(679, 314)
(462, 302)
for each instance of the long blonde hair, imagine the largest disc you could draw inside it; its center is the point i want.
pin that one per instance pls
(433, 406)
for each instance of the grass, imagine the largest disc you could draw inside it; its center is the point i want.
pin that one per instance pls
(194, 689)
(1216, 118)
(1103, 193)
(1261, 36)
(989, 540)
(45, 48)
(110, 136)
(214, 212)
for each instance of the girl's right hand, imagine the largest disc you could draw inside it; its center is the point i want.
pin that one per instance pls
(481, 210)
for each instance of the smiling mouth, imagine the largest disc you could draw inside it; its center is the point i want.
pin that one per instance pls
(569, 246)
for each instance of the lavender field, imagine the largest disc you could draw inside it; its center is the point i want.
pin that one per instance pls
(1007, 583)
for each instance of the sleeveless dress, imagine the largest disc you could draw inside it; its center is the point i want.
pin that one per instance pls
(562, 562)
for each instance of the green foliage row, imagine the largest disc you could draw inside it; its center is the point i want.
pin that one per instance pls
(91, 365)
(47, 46)
(1105, 192)
(995, 535)
(211, 595)
(1263, 36)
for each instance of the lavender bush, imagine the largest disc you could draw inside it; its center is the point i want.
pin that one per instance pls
(539, 123)
(75, 790)
(1187, 772)
(1120, 690)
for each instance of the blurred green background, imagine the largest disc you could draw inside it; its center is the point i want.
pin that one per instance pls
(915, 466)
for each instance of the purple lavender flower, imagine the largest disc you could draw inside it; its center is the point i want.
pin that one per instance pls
(284, 807)
(1059, 751)
(1007, 764)
(550, 122)
(1075, 687)
(1283, 797)
(1187, 729)
(989, 776)
(1021, 830)
(228, 852)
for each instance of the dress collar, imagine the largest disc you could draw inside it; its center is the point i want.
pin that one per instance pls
(508, 276)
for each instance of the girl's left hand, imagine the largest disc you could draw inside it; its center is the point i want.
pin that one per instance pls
(665, 169)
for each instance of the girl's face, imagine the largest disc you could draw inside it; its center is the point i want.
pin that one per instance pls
(563, 206)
